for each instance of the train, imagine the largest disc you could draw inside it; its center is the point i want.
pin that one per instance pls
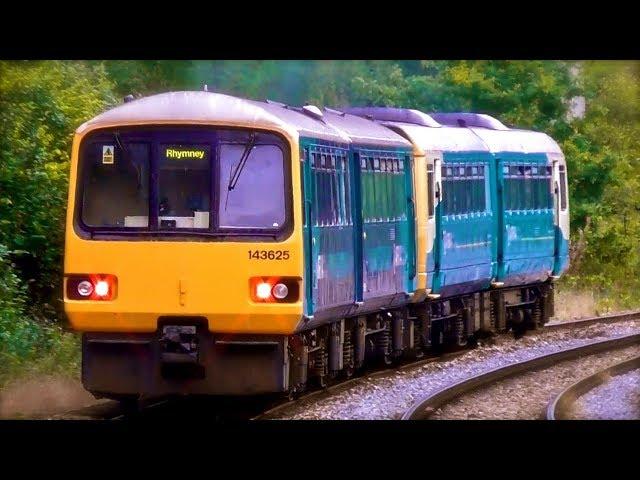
(217, 245)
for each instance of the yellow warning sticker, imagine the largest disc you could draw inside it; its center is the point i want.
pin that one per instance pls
(107, 154)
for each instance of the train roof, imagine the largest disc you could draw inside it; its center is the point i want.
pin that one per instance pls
(202, 106)
(460, 131)
(363, 131)
(497, 136)
(516, 140)
(441, 139)
(392, 114)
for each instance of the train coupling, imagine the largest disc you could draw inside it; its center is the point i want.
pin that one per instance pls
(179, 344)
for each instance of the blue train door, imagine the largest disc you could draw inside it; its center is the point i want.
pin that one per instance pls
(499, 215)
(329, 228)
(431, 219)
(307, 205)
(437, 242)
(556, 214)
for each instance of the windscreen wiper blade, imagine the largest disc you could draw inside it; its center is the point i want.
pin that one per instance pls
(125, 154)
(233, 180)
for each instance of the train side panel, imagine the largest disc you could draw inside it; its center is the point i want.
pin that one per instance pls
(466, 223)
(526, 227)
(359, 231)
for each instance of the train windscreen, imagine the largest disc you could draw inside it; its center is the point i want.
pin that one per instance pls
(168, 179)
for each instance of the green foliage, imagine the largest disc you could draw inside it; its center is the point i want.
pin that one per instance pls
(28, 346)
(41, 104)
(604, 167)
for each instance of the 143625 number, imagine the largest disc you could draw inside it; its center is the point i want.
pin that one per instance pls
(268, 254)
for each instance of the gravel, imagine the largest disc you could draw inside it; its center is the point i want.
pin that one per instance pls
(387, 396)
(616, 399)
(525, 397)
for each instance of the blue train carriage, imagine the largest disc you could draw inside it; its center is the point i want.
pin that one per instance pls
(359, 229)
(532, 228)
(487, 266)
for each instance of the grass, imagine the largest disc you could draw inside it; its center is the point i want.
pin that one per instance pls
(578, 296)
(36, 350)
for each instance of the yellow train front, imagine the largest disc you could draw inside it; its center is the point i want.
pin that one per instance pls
(184, 257)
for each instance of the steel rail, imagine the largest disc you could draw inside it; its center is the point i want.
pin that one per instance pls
(560, 406)
(425, 406)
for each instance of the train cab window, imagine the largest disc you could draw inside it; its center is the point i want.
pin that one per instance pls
(563, 188)
(184, 187)
(257, 200)
(116, 185)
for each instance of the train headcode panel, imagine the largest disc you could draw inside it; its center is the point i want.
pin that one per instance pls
(223, 246)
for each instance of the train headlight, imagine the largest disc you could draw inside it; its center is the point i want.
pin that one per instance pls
(263, 291)
(102, 288)
(280, 291)
(85, 288)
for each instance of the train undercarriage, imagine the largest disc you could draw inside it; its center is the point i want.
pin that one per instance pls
(340, 349)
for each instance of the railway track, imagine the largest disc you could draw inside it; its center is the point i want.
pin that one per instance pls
(612, 318)
(424, 408)
(267, 407)
(561, 406)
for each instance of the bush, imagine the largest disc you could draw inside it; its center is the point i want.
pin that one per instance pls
(27, 345)
(41, 104)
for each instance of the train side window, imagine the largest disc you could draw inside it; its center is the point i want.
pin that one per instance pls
(478, 189)
(395, 189)
(528, 190)
(535, 191)
(380, 203)
(347, 188)
(563, 188)
(332, 196)
(430, 191)
(445, 173)
(385, 201)
(386, 180)
(364, 181)
(396, 195)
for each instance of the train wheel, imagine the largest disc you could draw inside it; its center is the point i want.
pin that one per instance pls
(518, 324)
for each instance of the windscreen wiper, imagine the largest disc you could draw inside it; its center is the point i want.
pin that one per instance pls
(233, 180)
(126, 157)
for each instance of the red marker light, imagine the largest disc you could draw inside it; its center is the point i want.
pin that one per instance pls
(263, 291)
(274, 289)
(102, 288)
(91, 287)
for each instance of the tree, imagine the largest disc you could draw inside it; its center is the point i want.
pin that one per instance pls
(41, 104)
